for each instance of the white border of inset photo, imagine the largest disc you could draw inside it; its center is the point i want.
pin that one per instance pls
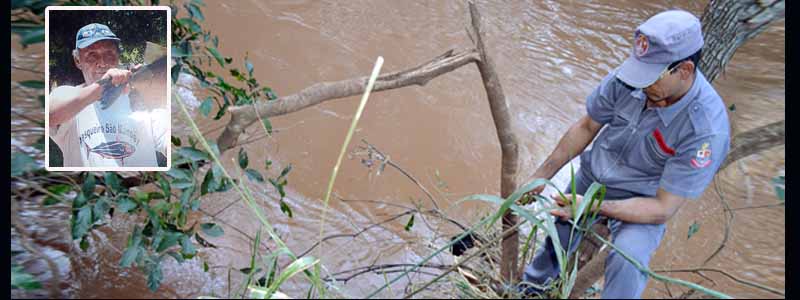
(168, 142)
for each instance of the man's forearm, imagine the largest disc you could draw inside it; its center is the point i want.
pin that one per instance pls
(66, 106)
(641, 210)
(571, 144)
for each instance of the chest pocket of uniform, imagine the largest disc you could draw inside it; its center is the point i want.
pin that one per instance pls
(618, 131)
(656, 148)
(622, 118)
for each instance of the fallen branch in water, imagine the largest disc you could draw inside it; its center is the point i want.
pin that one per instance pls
(244, 116)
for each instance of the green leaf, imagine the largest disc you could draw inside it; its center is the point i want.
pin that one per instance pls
(286, 209)
(23, 280)
(154, 277)
(732, 107)
(205, 107)
(410, 223)
(170, 239)
(243, 160)
(175, 72)
(211, 229)
(176, 141)
(267, 125)
(216, 55)
(268, 164)
(195, 11)
(178, 52)
(58, 190)
(182, 184)
(100, 209)
(269, 93)
(79, 201)
(129, 256)
(191, 24)
(176, 256)
(195, 204)
(208, 185)
(286, 170)
(187, 246)
(693, 229)
(179, 174)
(164, 184)
(84, 244)
(88, 185)
(82, 222)
(278, 187)
(294, 268)
(49, 200)
(224, 185)
(205, 266)
(111, 179)
(214, 149)
(193, 154)
(254, 175)
(142, 197)
(34, 84)
(156, 195)
(21, 163)
(125, 204)
(222, 110)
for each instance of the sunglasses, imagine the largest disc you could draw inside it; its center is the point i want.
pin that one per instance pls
(92, 32)
(668, 71)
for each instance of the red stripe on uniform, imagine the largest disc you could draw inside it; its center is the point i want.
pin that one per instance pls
(661, 143)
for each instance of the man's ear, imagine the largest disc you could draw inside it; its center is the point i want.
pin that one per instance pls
(688, 69)
(77, 62)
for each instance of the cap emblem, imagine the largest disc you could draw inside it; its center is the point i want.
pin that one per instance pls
(641, 45)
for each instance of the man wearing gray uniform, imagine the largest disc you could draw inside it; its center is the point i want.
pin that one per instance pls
(666, 134)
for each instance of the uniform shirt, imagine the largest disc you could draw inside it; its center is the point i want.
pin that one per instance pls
(111, 137)
(677, 148)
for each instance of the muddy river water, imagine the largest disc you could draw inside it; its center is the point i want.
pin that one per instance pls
(549, 55)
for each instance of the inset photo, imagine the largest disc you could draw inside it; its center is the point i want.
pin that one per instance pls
(107, 93)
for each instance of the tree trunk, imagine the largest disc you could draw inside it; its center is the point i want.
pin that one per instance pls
(727, 24)
(508, 145)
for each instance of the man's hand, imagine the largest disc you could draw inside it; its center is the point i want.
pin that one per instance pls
(120, 76)
(564, 211)
(528, 197)
(117, 76)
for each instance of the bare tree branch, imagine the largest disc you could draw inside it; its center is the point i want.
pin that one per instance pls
(244, 116)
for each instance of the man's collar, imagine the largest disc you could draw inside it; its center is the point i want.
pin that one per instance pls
(667, 114)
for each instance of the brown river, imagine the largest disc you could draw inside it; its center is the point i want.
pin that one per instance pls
(549, 55)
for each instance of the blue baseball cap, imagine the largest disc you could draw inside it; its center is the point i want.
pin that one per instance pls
(661, 40)
(93, 33)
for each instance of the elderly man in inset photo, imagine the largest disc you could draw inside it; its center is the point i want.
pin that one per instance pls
(93, 123)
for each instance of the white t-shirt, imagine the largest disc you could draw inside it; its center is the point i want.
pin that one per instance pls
(111, 137)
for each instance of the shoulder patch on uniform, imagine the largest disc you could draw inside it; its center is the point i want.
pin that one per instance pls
(702, 158)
